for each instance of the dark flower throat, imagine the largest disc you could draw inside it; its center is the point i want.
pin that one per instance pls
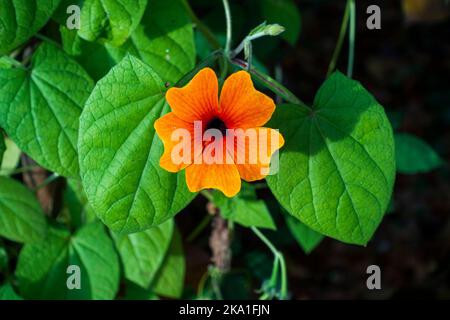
(217, 123)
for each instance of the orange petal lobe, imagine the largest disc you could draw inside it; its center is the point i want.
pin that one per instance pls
(165, 128)
(257, 155)
(198, 99)
(223, 176)
(241, 105)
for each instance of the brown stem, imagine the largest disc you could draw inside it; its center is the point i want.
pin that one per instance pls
(35, 178)
(220, 241)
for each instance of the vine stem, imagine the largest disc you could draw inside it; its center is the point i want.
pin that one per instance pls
(269, 82)
(272, 84)
(278, 259)
(240, 47)
(340, 41)
(226, 7)
(208, 61)
(351, 39)
(47, 181)
(23, 169)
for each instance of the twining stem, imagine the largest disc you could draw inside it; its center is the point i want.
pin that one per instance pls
(266, 80)
(340, 41)
(47, 181)
(271, 84)
(207, 195)
(226, 7)
(47, 39)
(202, 283)
(201, 26)
(241, 46)
(351, 39)
(207, 62)
(278, 256)
(23, 169)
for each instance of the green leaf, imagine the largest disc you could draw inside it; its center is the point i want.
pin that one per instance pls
(285, 13)
(169, 281)
(70, 41)
(337, 168)
(11, 158)
(306, 237)
(40, 108)
(21, 217)
(95, 59)
(120, 151)
(92, 56)
(7, 293)
(110, 21)
(6, 62)
(96, 251)
(414, 155)
(135, 292)
(245, 208)
(164, 40)
(42, 267)
(20, 19)
(143, 252)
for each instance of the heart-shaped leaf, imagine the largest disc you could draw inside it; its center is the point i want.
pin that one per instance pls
(119, 151)
(42, 268)
(164, 40)
(111, 21)
(20, 19)
(40, 108)
(337, 169)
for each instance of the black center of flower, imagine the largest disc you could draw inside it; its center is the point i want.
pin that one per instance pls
(216, 123)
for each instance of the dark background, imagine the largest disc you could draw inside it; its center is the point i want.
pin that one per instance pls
(405, 65)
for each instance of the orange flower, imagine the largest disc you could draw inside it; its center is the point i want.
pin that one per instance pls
(218, 163)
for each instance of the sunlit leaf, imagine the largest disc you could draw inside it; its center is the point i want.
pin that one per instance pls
(337, 167)
(120, 151)
(39, 109)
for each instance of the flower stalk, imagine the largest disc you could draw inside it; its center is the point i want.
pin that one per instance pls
(351, 39)
(226, 7)
(278, 265)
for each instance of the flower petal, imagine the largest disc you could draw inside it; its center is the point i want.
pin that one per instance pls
(165, 128)
(256, 156)
(222, 176)
(241, 105)
(198, 100)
